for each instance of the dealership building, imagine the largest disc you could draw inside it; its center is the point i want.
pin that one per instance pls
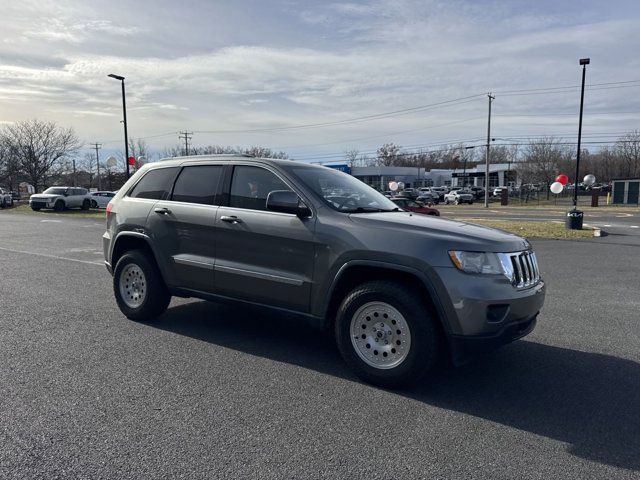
(500, 174)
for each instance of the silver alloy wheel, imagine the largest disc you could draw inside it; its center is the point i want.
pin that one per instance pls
(133, 285)
(380, 335)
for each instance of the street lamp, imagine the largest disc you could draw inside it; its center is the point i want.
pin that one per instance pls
(575, 217)
(124, 113)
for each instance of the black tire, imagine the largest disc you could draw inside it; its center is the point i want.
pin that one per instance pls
(446, 202)
(471, 202)
(59, 206)
(425, 336)
(94, 204)
(86, 204)
(456, 202)
(35, 209)
(157, 296)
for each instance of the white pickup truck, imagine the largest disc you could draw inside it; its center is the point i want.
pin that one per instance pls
(6, 199)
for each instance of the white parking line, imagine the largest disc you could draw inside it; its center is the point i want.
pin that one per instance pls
(56, 257)
(50, 221)
(634, 226)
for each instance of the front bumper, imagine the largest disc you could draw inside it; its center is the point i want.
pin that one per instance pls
(486, 311)
(463, 348)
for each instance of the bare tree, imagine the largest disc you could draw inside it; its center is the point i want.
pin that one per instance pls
(9, 167)
(628, 149)
(39, 147)
(389, 154)
(543, 159)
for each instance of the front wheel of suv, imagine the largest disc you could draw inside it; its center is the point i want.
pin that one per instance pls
(138, 287)
(386, 334)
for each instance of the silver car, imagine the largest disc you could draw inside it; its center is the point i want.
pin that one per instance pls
(60, 198)
(101, 199)
(398, 290)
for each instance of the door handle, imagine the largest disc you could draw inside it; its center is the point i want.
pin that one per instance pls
(230, 219)
(162, 211)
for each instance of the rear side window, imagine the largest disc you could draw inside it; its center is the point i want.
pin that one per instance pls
(197, 184)
(156, 184)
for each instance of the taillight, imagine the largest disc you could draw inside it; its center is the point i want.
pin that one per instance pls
(109, 207)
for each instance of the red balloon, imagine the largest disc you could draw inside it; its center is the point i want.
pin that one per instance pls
(131, 160)
(562, 178)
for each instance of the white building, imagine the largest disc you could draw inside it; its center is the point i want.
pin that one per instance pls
(500, 175)
(379, 177)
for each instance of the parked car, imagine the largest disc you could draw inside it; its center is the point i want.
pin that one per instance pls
(6, 199)
(101, 199)
(408, 193)
(458, 196)
(398, 290)
(411, 206)
(429, 198)
(441, 191)
(478, 192)
(59, 198)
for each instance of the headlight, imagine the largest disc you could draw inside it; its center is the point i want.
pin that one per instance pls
(481, 262)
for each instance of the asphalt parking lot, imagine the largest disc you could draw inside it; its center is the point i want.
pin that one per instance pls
(219, 392)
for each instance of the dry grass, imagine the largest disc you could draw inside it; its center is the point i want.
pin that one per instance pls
(533, 229)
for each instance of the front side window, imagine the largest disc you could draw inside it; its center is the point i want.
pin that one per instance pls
(343, 192)
(250, 187)
(156, 184)
(197, 184)
(55, 191)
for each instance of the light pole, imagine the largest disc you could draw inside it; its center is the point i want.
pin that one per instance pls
(124, 113)
(575, 217)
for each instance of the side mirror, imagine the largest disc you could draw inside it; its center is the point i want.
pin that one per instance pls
(286, 201)
(66, 193)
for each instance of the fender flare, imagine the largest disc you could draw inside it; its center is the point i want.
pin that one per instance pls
(428, 283)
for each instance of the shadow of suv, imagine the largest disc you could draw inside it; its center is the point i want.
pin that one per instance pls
(399, 290)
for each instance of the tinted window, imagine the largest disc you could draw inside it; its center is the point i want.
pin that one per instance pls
(251, 185)
(156, 184)
(197, 184)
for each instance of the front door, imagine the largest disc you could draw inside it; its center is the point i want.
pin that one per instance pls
(183, 227)
(262, 256)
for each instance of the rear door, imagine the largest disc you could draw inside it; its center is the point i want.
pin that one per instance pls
(262, 256)
(183, 227)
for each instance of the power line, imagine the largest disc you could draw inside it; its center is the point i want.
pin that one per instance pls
(186, 136)
(377, 116)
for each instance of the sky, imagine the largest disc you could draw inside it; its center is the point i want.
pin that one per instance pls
(317, 78)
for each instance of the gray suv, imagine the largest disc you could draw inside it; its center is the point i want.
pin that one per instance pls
(400, 290)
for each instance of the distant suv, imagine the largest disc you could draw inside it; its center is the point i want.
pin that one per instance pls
(459, 196)
(60, 198)
(6, 198)
(399, 290)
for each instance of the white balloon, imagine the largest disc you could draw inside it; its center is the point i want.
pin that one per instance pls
(112, 162)
(556, 187)
(589, 180)
(142, 160)
(393, 186)
(401, 185)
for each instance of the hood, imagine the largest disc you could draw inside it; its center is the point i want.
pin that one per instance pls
(454, 234)
(43, 196)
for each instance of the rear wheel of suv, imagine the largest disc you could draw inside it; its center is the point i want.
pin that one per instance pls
(138, 287)
(386, 334)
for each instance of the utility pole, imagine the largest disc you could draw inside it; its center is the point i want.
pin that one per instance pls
(186, 136)
(98, 146)
(75, 182)
(486, 172)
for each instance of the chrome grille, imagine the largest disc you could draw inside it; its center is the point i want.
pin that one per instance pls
(525, 269)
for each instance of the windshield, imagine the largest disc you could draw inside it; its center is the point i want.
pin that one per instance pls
(55, 191)
(343, 192)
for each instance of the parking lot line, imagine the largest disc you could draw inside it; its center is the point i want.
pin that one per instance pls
(56, 257)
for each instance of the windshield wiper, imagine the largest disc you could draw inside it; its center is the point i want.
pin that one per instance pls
(371, 209)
